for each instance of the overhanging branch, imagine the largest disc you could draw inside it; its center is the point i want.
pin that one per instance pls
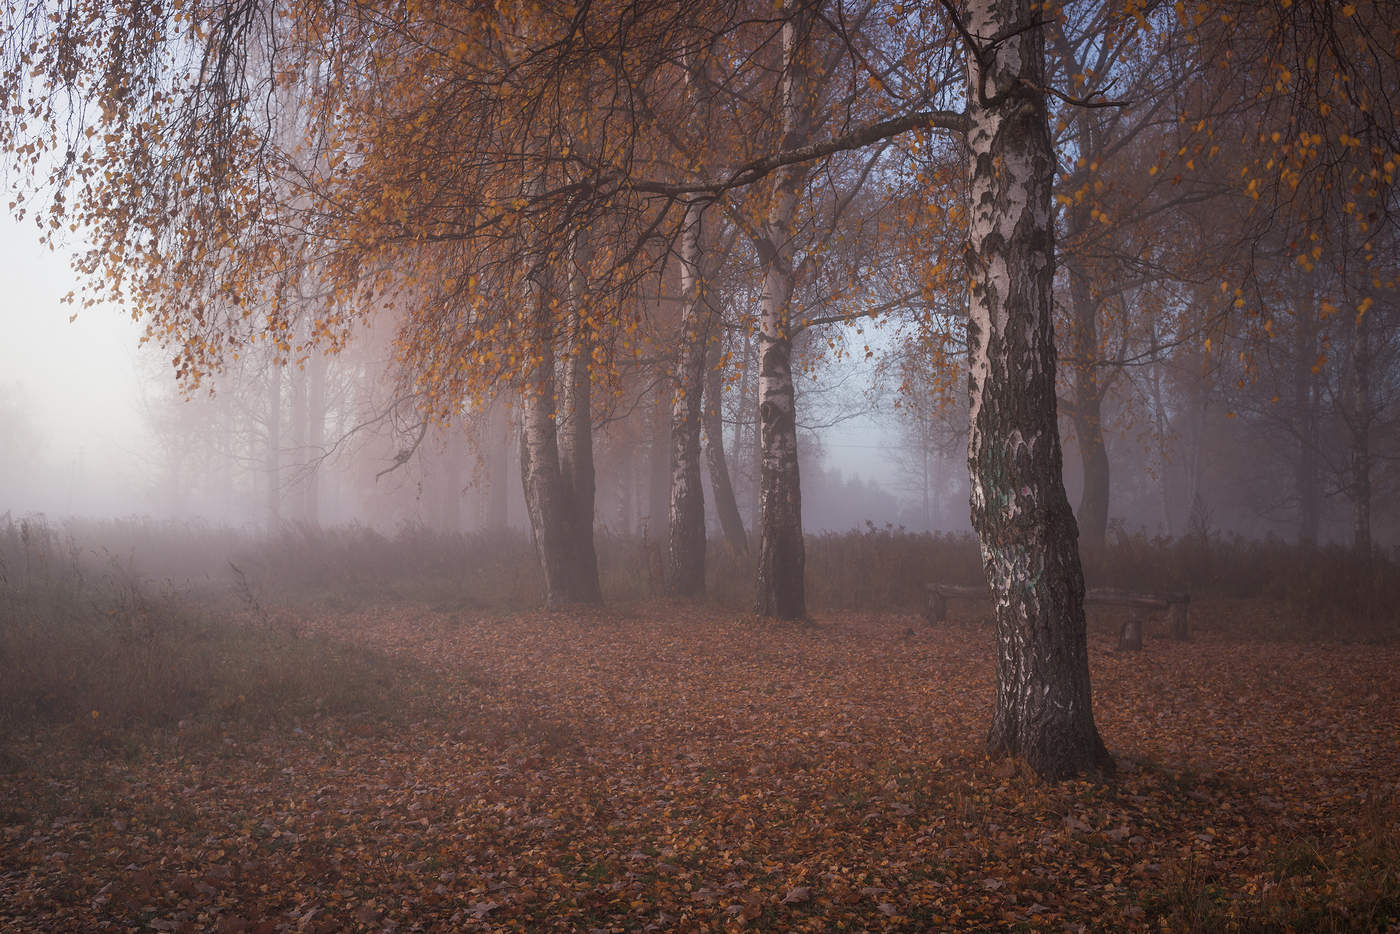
(759, 168)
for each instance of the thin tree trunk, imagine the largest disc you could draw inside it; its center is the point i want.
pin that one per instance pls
(726, 506)
(685, 553)
(539, 460)
(1043, 711)
(781, 555)
(576, 446)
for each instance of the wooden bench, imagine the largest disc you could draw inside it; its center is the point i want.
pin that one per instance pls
(1177, 603)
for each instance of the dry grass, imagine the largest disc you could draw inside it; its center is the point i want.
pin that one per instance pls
(89, 645)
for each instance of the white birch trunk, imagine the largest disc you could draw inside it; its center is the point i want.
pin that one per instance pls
(539, 455)
(781, 555)
(1019, 509)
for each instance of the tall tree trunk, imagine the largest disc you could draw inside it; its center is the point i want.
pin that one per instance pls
(1022, 516)
(726, 506)
(576, 445)
(781, 555)
(546, 497)
(274, 447)
(685, 553)
(1093, 499)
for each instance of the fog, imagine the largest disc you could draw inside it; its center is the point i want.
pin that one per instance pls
(95, 425)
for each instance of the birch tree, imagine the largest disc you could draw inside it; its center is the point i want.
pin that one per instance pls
(1043, 711)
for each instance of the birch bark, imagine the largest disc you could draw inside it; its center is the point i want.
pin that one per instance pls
(539, 452)
(781, 555)
(1020, 511)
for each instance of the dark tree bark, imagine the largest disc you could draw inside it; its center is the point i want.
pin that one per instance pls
(1043, 710)
(726, 505)
(576, 455)
(685, 553)
(548, 495)
(781, 554)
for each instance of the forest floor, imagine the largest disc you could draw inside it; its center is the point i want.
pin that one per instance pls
(665, 767)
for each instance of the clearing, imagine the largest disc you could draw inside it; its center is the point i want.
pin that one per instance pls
(657, 766)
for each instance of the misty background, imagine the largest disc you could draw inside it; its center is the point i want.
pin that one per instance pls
(93, 424)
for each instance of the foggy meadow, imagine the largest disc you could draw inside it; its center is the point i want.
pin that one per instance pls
(650, 466)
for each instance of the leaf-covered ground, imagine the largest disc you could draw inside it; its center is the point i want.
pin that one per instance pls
(662, 767)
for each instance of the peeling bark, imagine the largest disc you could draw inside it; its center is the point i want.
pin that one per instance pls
(1028, 536)
(781, 554)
